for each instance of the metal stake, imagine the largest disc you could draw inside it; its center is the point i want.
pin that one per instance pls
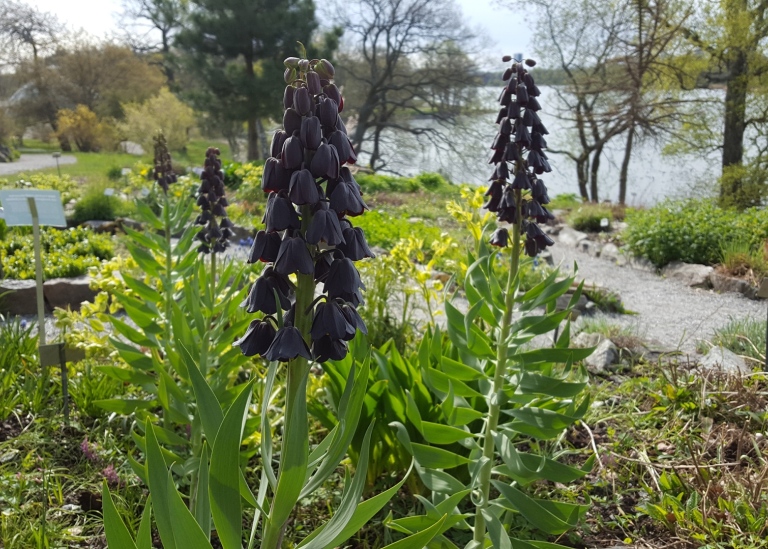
(38, 270)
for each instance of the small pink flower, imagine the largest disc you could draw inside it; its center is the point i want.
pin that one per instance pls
(88, 450)
(111, 475)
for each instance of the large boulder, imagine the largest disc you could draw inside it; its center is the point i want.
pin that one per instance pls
(18, 297)
(605, 356)
(571, 237)
(720, 358)
(68, 292)
(723, 283)
(695, 276)
(610, 252)
(21, 296)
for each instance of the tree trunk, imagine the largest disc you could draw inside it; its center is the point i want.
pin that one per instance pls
(593, 174)
(735, 124)
(625, 165)
(581, 173)
(253, 139)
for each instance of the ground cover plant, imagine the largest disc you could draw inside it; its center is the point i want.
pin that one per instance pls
(66, 253)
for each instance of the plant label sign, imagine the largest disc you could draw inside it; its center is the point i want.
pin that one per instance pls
(17, 213)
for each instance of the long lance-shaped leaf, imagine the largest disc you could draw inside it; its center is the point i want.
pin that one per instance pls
(497, 533)
(419, 540)
(157, 474)
(293, 460)
(144, 535)
(117, 533)
(266, 428)
(327, 539)
(550, 517)
(349, 416)
(202, 501)
(526, 468)
(224, 483)
(186, 530)
(208, 405)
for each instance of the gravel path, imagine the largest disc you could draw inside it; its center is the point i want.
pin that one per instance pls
(669, 313)
(30, 162)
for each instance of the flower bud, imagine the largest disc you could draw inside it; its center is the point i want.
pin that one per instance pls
(291, 121)
(289, 75)
(332, 92)
(278, 138)
(313, 83)
(288, 97)
(302, 102)
(311, 133)
(325, 69)
(292, 62)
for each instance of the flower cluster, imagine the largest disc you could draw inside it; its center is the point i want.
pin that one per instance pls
(518, 156)
(312, 193)
(163, 171)
(210, 197)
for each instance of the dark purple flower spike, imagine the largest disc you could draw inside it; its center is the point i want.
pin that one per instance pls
(312, 192)
(516, 194)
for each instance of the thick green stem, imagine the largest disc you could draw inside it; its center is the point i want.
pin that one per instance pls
(213, 280)
(294, 457)
(489, 446)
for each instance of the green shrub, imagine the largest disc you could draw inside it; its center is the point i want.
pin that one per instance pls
(3, 229)
(376, 183)
(385, 230)
(115, 173)
(64, 184)
(588, 217)
(692, 231)
(564, 201)
(95, 205)
(66, 253)
(431, 181)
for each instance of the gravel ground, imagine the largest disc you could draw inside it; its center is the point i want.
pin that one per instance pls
(29, 162)
(669, 313)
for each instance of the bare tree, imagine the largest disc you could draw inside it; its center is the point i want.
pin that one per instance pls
(25, 30)
(584, 48)
(150, 26)
(404, 58)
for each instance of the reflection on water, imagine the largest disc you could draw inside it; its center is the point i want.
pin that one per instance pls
(652, 176)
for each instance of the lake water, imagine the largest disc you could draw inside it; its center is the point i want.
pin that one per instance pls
(652, 175)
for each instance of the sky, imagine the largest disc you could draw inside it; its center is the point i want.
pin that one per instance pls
(501, 30)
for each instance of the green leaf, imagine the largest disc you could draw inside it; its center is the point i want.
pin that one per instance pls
(133, 356)
(117, 533)
(526, 468)
(124, 406)
(427, 456)
(144, 291)
(420, 539)
(435, 433)
(202, 500)
(144, 536)
(224, 487)
(158, 486)
(350, 499)
(208, 405)
(459, 370)
(148, 216)
(439, 481)
(349, 416)
(145, 260)
(266, 428)
(552, 355)
(186, 530)
(133, 335)
(550, 517)
(443, 383)
(497, 533)
(126, 376)
(550, 386)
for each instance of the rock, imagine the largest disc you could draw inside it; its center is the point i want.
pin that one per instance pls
(610, 252)
(571, 237)
(241, 233)
(750, 292)
(586, 339)
(693, 275)
(581, 304)
(101, 226)
(20, 297)
(68, 292)
(641, 264)
(589, 247)
(720, 358)
(724, 283)
(605, 356)
(129, 147)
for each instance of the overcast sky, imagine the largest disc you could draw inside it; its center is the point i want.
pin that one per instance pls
(502, 31)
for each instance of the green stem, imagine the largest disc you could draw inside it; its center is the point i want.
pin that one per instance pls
(294, 458)
(168, 287)
(489, 446)
(213, 280)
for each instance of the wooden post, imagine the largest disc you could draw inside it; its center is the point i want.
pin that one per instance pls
(38, 269)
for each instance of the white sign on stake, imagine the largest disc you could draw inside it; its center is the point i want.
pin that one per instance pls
(17, 213)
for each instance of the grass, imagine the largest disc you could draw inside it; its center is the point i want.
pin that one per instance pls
(681, 460)
(743, 336)
(94, 167)
(739, 258)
